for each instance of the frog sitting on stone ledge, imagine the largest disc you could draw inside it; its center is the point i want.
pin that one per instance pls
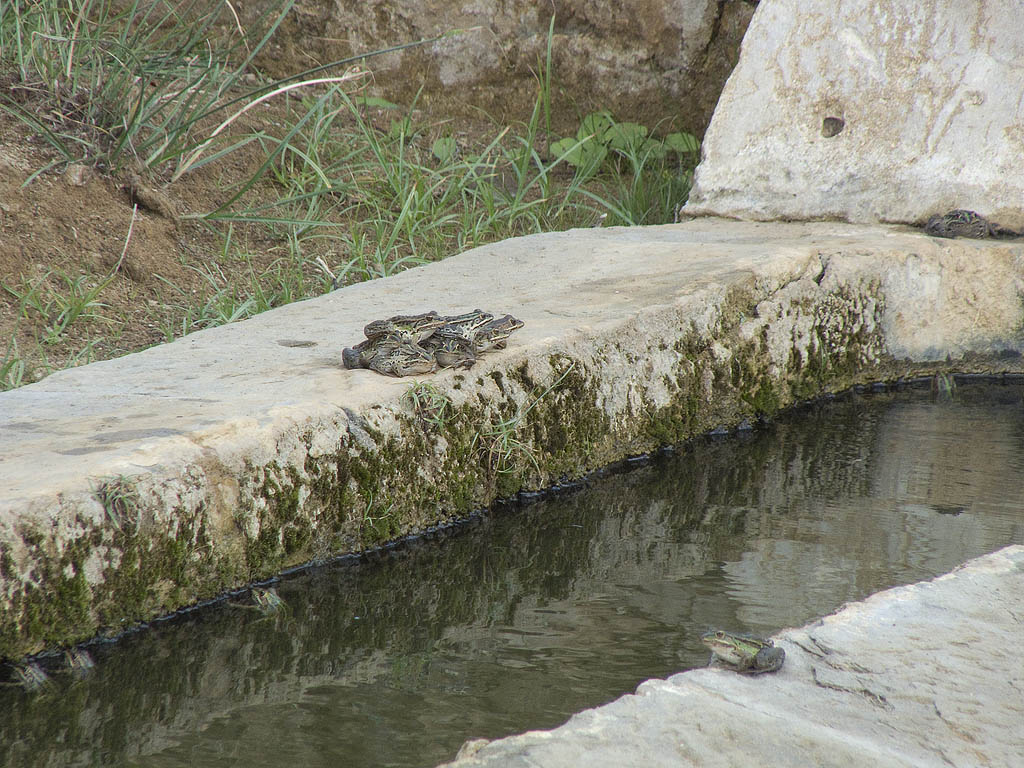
(411, 345)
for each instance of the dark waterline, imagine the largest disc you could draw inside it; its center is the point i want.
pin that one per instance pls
(521, 619)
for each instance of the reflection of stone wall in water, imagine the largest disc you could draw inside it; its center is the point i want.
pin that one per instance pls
(642, 59)
(738, 531)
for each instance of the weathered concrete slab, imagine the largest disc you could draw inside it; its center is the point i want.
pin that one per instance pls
(930, 96)
(136, 486)
(922, 675)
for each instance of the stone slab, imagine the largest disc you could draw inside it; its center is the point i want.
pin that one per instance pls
(930, 94)
(132, 487)
(922, 675)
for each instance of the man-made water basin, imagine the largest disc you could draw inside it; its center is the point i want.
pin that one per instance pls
(515, 620)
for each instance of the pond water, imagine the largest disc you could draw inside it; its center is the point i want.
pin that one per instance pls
(519, 618)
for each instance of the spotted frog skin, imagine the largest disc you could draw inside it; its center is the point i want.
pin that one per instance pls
(407, 359)
(412, 345)
(964, 223)
(411, 328)
(746, 654)
(494, 334)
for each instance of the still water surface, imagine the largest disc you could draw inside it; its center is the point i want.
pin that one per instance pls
(518, 619)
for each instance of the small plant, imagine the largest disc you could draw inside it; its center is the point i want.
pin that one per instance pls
(378, 527)
(431, 405)
(943, 387)
(503, 450)
(12, 367)
(120, 499)
(600, 138)
(646, 179)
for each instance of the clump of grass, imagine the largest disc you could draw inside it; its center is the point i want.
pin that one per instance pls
(643, 179)
(58, 309)
(120, 499)
(79, 663)
(431, 405)
(120, 82)
(503, 451)
(377, 526)
(31, 677)
(12, 367)
(943, 387)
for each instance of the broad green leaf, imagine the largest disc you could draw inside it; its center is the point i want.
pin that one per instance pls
(625, 136)
(595, 124)
(682, 143)
(374, 102)
(444, 149)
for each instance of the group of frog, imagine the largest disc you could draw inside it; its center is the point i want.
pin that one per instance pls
(412, 345)
(963, 223)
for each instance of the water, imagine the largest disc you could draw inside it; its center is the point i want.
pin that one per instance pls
(518, 619)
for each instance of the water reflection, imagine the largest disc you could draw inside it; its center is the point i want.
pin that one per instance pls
(521, 619)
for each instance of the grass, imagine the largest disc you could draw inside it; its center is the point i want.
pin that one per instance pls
(120, 499)
(431, 405)
(349, 188)
(499, 443)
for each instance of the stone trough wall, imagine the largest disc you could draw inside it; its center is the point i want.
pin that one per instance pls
(200, 466)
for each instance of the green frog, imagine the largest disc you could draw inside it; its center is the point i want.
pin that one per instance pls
(746, 654)
(494, 334)
(411, 328)
(410, 345)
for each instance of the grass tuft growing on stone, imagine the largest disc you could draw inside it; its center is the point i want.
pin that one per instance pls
(120, 499)
(432, 406)
(500, 444)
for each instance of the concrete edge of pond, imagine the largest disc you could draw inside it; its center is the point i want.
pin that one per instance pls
(920, 675)
(137, 486)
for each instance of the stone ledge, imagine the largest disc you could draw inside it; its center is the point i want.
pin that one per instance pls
(176, 473)
(921, 675)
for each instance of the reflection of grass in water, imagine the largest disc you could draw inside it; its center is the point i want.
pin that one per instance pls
(943, 386)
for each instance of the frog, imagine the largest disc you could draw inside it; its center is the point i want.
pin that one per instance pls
(410, 345)
(451, 351)
(368, 350)
(411, 328)
(463, 326)
(494, 334)
(964, 223)
(746, 654)
(406, 359)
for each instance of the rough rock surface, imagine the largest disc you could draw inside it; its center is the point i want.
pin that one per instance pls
(187, 469)
(923, 675)
(870, 110)
(643, 60)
